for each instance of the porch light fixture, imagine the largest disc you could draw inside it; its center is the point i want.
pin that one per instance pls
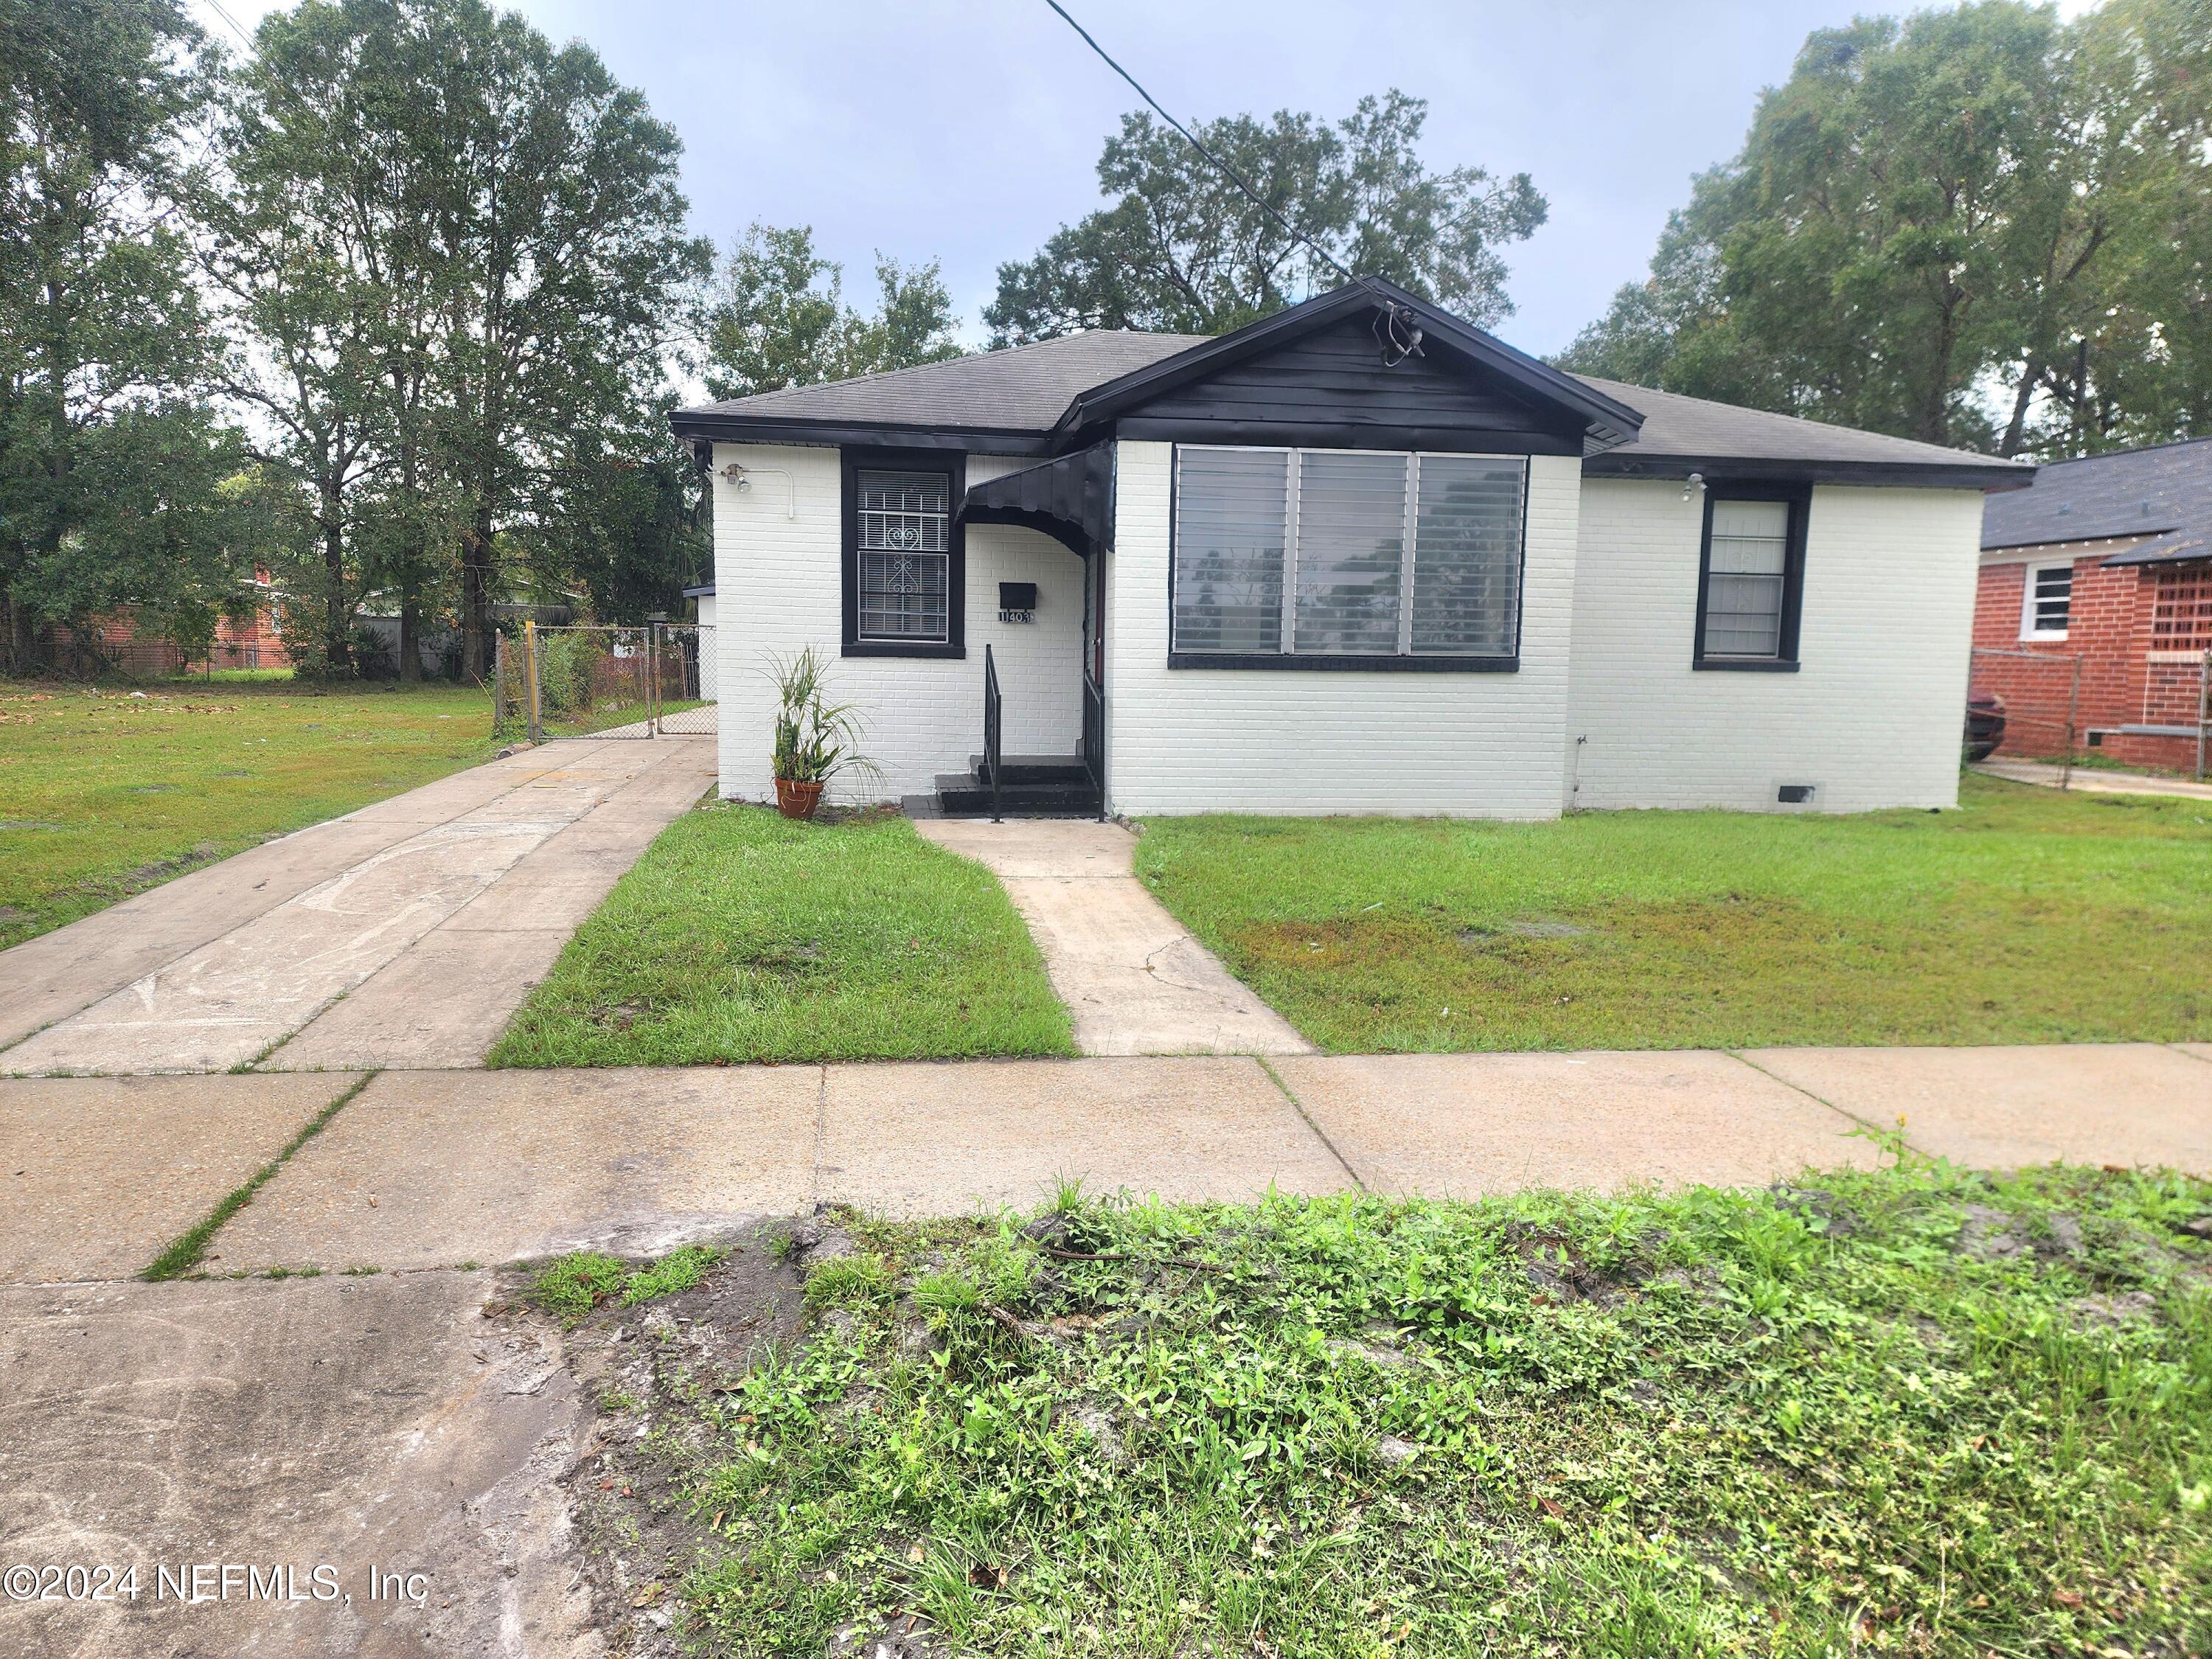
(1693, 485)
(741, 477)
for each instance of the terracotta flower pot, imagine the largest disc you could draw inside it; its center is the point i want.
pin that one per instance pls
(797, 800)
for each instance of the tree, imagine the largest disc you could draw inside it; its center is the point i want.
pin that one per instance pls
(1932, 231)
(562, 264)
(101, 333)
(779, 318)
(1183, 249)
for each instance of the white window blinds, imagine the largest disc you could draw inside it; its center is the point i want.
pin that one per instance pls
(1746, 570)
(1232, 515)
(1306, 553)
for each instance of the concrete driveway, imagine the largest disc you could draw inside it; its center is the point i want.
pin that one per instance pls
(403, 934)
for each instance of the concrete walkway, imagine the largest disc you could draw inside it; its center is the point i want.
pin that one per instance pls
(403, 934)
(1135, 981)
(2095, 779)
(438, 1168)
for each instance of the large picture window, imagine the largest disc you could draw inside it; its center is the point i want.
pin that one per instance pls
(1347, 558)
(903, 565)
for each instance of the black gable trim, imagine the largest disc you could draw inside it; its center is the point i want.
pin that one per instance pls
(1329, 387)
(1491, 378)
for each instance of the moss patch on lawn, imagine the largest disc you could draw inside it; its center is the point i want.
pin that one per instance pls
(2027, 916)
(1910, 1410)
(743, 936)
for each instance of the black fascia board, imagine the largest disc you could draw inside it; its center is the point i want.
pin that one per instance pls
(698, 425)
(1935, 475)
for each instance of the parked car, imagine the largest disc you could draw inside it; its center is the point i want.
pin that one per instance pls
(1985, 727)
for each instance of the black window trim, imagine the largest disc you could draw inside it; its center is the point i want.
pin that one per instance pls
(954, 466)
(1799, 496)
(1332, 662)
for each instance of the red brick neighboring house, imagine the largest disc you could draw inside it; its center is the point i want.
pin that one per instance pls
(113, 645)
(2109, 559)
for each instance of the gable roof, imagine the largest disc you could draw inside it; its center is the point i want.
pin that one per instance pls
(2164, 492)
(1061, 394)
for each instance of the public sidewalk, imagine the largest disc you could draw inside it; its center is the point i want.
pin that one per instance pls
(438, 1168)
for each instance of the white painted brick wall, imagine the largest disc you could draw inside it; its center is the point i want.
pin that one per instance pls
(778, 589)
(1191, 740)
(1873, 717)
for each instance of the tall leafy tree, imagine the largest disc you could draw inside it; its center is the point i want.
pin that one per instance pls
(1932, 229)
(100, 339)
(562, 266)
(1180, 247)
(779, 318)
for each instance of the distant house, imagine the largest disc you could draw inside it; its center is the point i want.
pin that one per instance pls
(114, 644)
(2109, 559)
(1360, 556)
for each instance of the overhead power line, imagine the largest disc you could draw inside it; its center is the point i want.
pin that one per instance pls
(1191, 138)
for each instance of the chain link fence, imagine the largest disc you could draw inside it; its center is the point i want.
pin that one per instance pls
(595, 681)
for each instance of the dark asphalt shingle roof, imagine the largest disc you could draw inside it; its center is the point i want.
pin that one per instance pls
(2165, 492)
(1019, 389)
(1026, 389)
(1697, 428)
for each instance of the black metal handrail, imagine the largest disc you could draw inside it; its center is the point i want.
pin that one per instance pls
(990, 727)
(1094, 740)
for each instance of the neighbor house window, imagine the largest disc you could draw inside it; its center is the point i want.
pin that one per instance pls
(2047, 607)
(1347, 558)
(1750, 577)
(903, 564)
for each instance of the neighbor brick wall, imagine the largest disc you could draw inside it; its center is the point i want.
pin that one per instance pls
(2129, 675)
(1873, 716)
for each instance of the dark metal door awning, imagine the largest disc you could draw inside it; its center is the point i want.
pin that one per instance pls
(1070, 500)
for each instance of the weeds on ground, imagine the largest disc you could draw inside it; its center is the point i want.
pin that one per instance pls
(1913, 1411)
(2025, 916)
(571, 1285)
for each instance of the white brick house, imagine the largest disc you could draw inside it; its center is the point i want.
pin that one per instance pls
(1300, 569)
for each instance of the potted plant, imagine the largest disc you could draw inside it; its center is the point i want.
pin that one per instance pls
(815, 738)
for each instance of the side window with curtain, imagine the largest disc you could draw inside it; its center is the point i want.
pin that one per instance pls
(1750, 581)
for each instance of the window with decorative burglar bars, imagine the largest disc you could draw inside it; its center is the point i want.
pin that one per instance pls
(2181, 608)
(905, 542)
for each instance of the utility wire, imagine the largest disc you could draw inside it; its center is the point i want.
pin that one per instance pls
(1220, 166)
(215, 7)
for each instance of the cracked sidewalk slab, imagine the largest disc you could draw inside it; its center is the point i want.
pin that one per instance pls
(2008, 1106)
(1135, 980)
(101, 1174)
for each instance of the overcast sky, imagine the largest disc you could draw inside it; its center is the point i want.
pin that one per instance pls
(968, 130)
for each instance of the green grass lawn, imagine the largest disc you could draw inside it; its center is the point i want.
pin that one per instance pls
(1912, 1412)
(2027, 916)
(740, 936)
(104, 793)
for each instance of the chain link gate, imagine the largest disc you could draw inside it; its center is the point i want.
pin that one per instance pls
(596, 681)
(683, 679)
